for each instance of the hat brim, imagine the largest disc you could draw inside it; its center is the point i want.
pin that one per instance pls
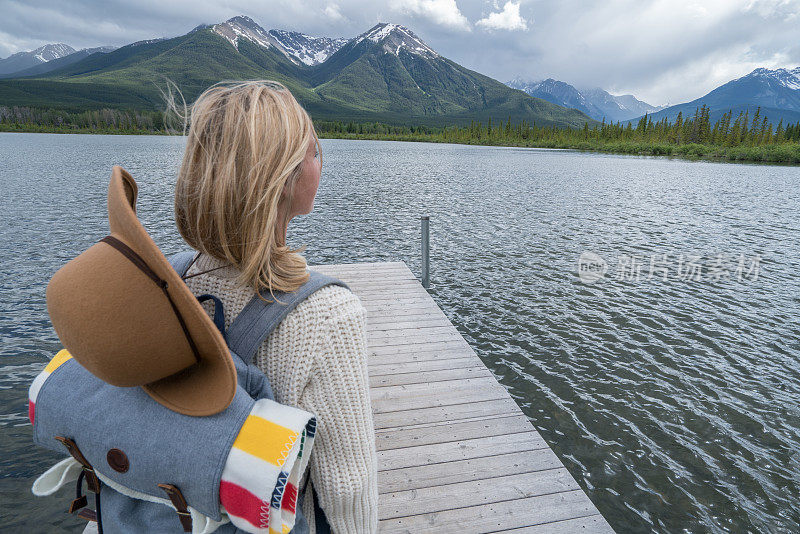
(197, 390)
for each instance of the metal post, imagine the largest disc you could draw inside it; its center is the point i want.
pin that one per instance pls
(426, 265)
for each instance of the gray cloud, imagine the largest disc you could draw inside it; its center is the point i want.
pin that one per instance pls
(662, 52)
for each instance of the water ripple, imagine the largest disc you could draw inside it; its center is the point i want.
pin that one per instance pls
(675, 403)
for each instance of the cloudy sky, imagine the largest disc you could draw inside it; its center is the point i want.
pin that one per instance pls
(662, 51)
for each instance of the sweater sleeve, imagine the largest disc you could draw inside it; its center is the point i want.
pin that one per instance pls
(344, 467)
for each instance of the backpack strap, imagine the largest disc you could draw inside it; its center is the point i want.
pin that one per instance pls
(258, 318)
(182, 260)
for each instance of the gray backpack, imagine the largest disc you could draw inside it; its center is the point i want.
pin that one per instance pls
(182, 456)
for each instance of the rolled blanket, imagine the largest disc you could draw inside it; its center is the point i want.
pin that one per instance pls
(267, 460)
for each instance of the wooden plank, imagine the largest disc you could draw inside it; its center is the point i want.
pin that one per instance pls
(389, 418)
(411, 357)
(459, 450)
(492, 517)
(429, 351)
(592, 524)
(407, 323)
(368, 275)
(407, 396)
(383, 317)
(431, 334)
(362, 272)
(394, 368)
(407, 400)
(421, 346)
(434, 333)
(404, 295)
(362, 266)
(408, 301)
(423, 476)
(439, 388)
(389, 316)
(398, 291)
(378, 282)
(475, 493)
(395, 302)
(427, 435)
(414, 338)
(388, 320)
(385, 284)
(428, 377)
(383, 308)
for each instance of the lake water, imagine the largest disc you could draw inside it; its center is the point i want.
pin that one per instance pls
(670, 387)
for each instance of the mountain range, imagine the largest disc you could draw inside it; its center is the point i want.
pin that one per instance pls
(387, 73)
(594, 102)
(24, 60)
(776, 92)
(55, 56)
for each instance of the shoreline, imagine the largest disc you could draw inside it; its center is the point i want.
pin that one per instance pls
(780, 154)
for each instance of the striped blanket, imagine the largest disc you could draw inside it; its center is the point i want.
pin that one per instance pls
(259, 485)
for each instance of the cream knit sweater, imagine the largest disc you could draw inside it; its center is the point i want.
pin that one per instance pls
(316, 359)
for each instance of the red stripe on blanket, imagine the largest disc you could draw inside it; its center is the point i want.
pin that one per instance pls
(289, 498)
(31, 410)
(241, 503)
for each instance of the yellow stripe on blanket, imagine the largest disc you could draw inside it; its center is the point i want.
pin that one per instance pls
(266, 440)
(62, 356)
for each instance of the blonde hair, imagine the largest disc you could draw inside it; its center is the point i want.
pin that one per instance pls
(246, 141)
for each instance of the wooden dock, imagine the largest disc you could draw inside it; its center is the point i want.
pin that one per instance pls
(455, 452)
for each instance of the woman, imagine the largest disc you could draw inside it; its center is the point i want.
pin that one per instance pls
(252, 163)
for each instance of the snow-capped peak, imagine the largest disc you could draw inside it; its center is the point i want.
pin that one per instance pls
(786, 77)
(148, 41)
(50, 52)
(519, 82)
(307, 48)
(297, 47)
(301, 48)
(394, 37)
(242, 26)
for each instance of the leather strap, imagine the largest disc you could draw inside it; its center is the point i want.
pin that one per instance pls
(219, 313)
(92, 482)
(179, 503)
(139, 262)
(88, 515)
(80, 500)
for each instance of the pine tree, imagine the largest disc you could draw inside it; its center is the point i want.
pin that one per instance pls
(779, 132)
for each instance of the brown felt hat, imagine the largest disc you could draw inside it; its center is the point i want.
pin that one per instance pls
(123, 313)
